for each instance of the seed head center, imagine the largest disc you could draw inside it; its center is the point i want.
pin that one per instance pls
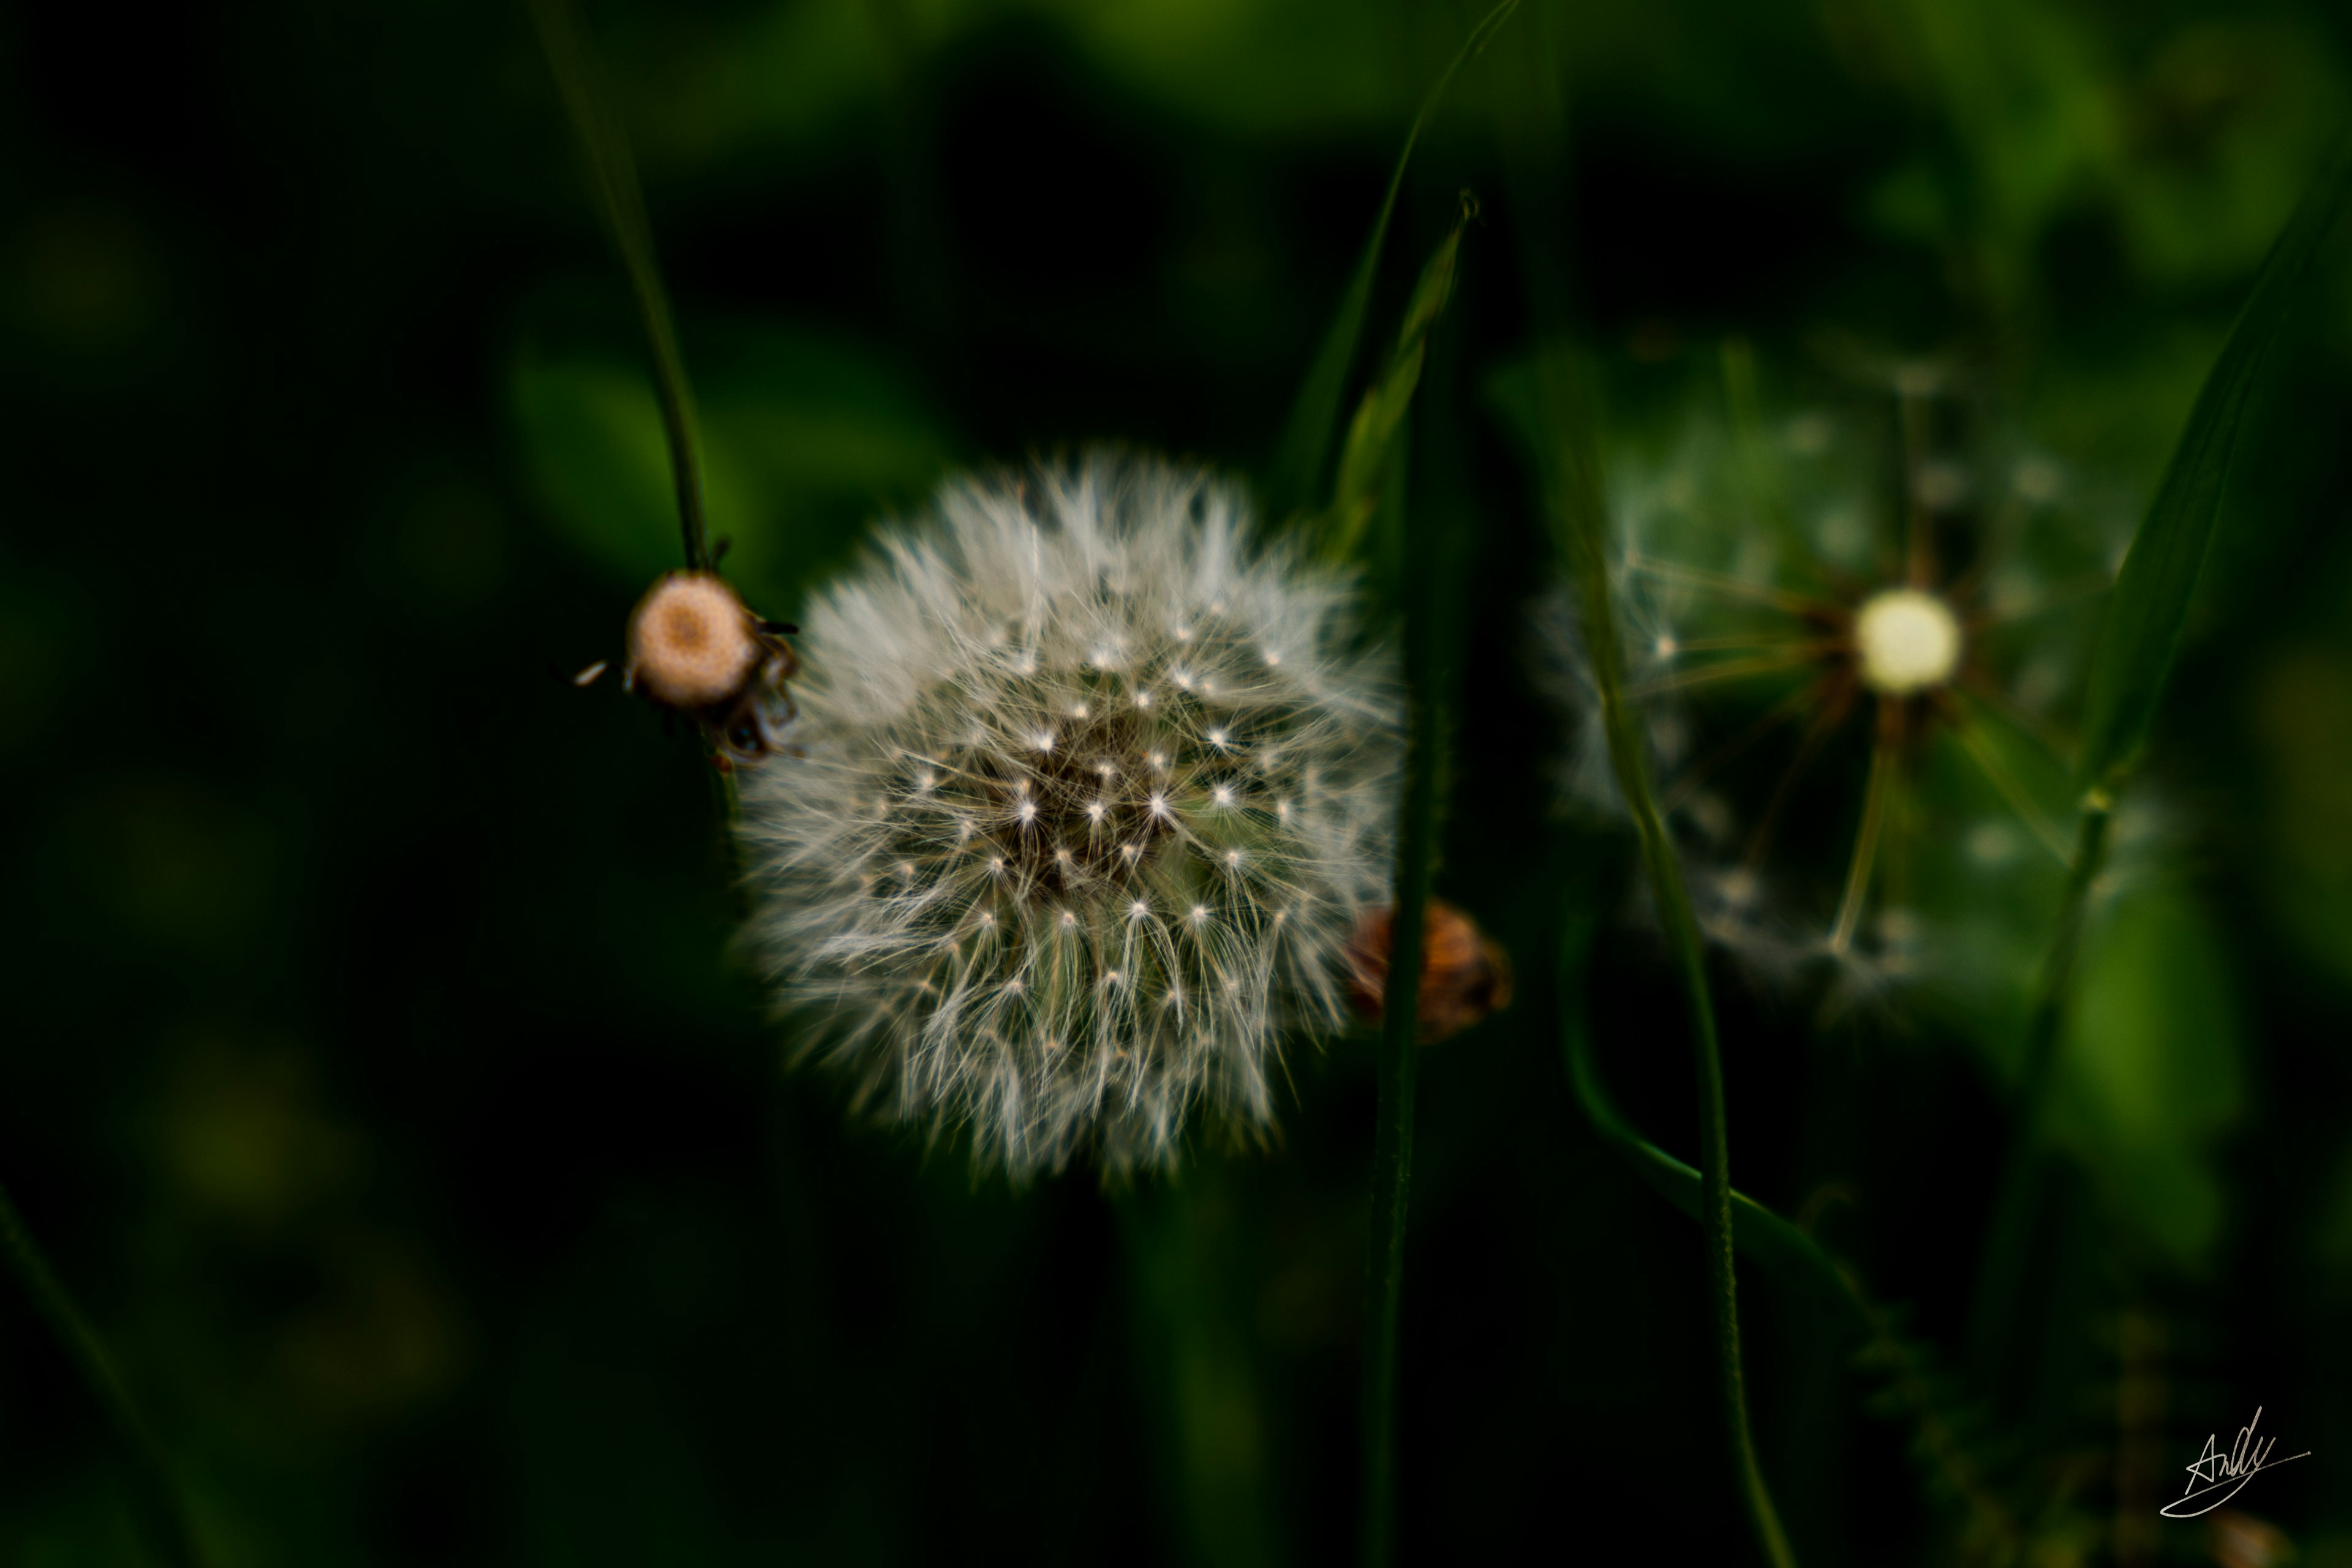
(1906, 641)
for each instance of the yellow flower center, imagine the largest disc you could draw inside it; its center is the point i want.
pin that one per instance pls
(1907, 641)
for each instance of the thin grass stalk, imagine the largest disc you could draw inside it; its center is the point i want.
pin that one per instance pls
(2001, 1281)
(1427, 672)
(1534, 136)
(1823, 1288)
(1579, 514)
(155, 1499)
(621, 204)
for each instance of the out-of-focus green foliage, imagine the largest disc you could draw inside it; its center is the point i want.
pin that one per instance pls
(2153, 1076)
(377, 1072)
(2192, 152)
(804, 440)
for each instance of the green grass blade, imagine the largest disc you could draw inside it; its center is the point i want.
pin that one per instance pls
(2141, 631)
(1380, 419)
(1572, 478)
(2138, 639)
(621, 203)
(1436, 535)
(1296, 476)
(155, 1499)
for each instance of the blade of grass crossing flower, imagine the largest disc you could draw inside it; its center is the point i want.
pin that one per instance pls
(1380, 416)
(1434, 537)
(621, 203)
(1428, 671)
(2138, 639)
(163, 1518)
(1577, 513)
(2141, 631)
(1296, 476)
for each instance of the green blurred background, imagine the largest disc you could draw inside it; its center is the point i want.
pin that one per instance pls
(375, 1066)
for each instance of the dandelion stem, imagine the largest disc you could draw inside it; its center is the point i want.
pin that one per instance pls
(1577, 515)
(154, 1498)
(621, 203)
(2000, 1280)
(1873, 819)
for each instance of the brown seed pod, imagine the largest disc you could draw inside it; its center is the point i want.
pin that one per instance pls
(1465, 974)
(694, 648)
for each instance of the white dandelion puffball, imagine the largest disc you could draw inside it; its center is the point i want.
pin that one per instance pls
(1094, 787)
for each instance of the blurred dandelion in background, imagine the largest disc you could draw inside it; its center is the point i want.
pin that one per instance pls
(1095, 787)
(1856, 628)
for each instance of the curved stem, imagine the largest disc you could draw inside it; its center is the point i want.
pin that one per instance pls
(1824, 1289)
(155, 1499)
(1576, 506)
(621, 203)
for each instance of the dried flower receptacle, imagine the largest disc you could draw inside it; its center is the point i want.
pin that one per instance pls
(695, 649)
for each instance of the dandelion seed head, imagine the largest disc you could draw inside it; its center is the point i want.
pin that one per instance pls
(1778, 665)
(1080, 660)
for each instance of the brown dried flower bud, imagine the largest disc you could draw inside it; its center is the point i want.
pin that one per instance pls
(691, 642)
(1465, 974)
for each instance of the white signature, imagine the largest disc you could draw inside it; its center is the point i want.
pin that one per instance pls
(2216, 1477)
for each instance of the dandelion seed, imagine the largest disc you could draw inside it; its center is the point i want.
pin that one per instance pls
(1105, 1044)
